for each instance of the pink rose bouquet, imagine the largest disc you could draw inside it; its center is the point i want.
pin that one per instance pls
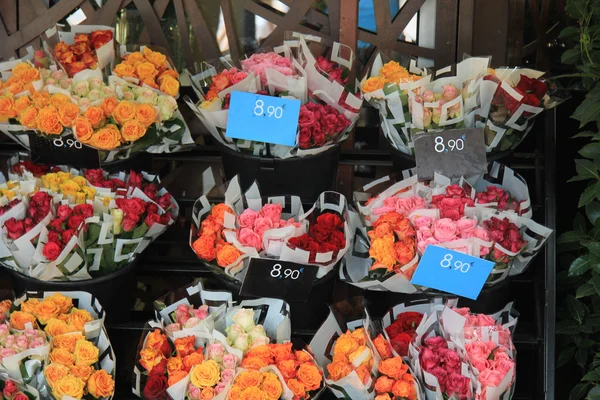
(401, 205)
(452, 204)
(449, 232)
(12, 390)
(494, 367)
(13, 344)
(187, 317)
(258, 63)
(436, 106)
(253, 225)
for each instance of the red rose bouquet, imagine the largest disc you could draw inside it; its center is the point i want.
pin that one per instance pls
(13, 390)
(403, 330)
(452, 204)
(320, 125)
(85, 47)
(503, 199)
(325, 234)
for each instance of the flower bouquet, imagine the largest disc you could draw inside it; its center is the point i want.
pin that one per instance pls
(248, 226)
(148, 68)
(265, 383)
(191, 310)
(84, 47)
(386, 89)
(13, 390)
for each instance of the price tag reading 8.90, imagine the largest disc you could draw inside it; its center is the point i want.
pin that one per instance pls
(453, 144)
(259, 110)
(276, 272)
(458, 265)
(67, 143)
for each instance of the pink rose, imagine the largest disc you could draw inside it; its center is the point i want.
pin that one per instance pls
(479, 233)
(489, 377)
(229, 361)
(324, 64)
(458, 385)
(429, 359)
(428, 96)
(10, 341)
(485, 320)
(194, 393)
(10, 389)
(464, 311)
(247, 218)
(406, 205)
(422, 245)
(442, 375)
(4, 332)
(4, 353)
(480, 363)
(444, 230)
(20, 396)
(385, 209)
(184, 318)
(201, 312)
(21, 343)
(227, 375)
(64, 211)
(503, 366)
(169, 329)
(36, 342)
(248, 237)
(452, 360)
(500, 355)
(450, 92)
(181, 310)
(238, 77)
(272, 211)
(215, 351)
(477, 350)
(465, 226)
(306, 118)
(422, 222)
(283, 223)
(220, 387)
(436, 342)
(261, 225)
(424, 233)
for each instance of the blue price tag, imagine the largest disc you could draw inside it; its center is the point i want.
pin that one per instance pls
(263, 118)
(452, 272)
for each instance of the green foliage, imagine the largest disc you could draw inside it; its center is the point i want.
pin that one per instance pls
(579, 315)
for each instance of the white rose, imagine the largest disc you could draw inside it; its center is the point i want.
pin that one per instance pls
(259, 341)
(84, 102)
(94, 95)
(66, 83)
(45, 73)
(233, 332)
(146, 96)
(166, 106)
(108, 91)
(81, 88)
(257, 332)
(96, 83)
(245, 318)
(241, 343)
(50, 81)
(128, 95)
(58, 75)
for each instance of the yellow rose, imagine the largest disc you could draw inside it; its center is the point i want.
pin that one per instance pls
(51, 181)
(80, 180)
(169, 86)
(205, 374)
(9, 194)
(132, 130)
(124, 69)
(64, 176)
(89, 192)
(101, 384)
(62, 356)
(106, 138)
(28, 117)
(79, 198)
(68, 386)
(45, 310)
(145, 70)
(67, 341)
(63, 302)
(69, 187)
(78, 318)
(85, 353)
(374, 83)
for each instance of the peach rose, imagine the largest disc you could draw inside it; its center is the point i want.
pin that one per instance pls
(132, 130)
(48, 121)
(106, 138)
(28, 117)
(81, 371)
(82, 127)
(192, 359)
(393, 367)
(63, 302)
(145, 114)
(54, 372)
(62, 356)
(296, 387)
(67, 112)
(78, 318)
(174, 364)
(18, 320)
(176, 376)
(101, 384)
(68, 386)
(124, 112)
(271, 386)
(124, 69)
(108, 105)
(338, 369)
(95, 115)
(227, 255)
(45, 310)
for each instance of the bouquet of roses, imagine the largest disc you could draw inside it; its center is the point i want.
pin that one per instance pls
(84, 47)
(12, 390)
(26, 348)
(264, 384)
(244, 334)
(23, 79)
(386, 89)
(247, 226)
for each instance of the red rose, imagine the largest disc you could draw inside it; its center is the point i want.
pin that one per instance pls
(400, 343)
(442, 375)
(152, 208)
(328, 124)
(95, 176)
(306, 118)
(67, 235)
(135, 179)
(304, 137)
(341, 123)
(455, 190)
(20, 396)
(64, 212)
(532, 86)
(10, 389)
(130, 222)
(28, 224)
(394, 329)
(85, 210)
(458, 385)
(318, 136)
(510, 102)
(337, 239)
(165, 201)
(324, 64)
(160, 368)
(320, 232)
(151, 190)
(152, 219)
(166, 218)
(53, 237)
(51, 251)
(331, 220)
(75, 221)
(436, 342)
(133, 206)
(317, 109)
(14, 228)
(41, 198)
(156, 388)
(327, 247)
(409, 320)
(336, 76)
(100, 38)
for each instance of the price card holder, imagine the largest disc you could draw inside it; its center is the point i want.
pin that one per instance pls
(62, 151)
(263, 118)
(452, 153)
(452, 272)
(278, 279)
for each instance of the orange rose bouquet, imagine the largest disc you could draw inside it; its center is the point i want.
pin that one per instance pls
(149, 68)
(84, 47)
(251, 384)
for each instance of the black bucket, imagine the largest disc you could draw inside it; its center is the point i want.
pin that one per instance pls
(116, 292)
(306, 177)
(305, 315)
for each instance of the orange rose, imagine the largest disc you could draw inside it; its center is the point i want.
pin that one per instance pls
(296, 387)
(62, 356)
(218, 212)
(124, 111)
(56, 327)
(106, 138)
(82, 372)
(227, 255)
(18, 320)
(403, 389)
(78, 318)
(206, 374)
(95, 115)
(192, 359)
(338, 369)
(21, 103)
(167, 72)
(282, 351)
(185, 345)
(360, 335)
(255, 363)
(271, 386)
(176, 376)
(16, 87)
(55, 372)
(67, 112)
(234, 393)
(310, 376)
(382, 251)
(155, 57)
(132, 131)
(408, 378)
(108, 105)
(345, 344)
(384, 396)
(358, 353)
(393, 367)
(384, 384)
(30, 305)
(82, 127)
(48, 121)
(383, 347)
(155, 340)
(374, 83)
(63, 302)
(405, 251)
(220, 82)
(340, 357)
(86, 353)
(101, 384)
(287, 368)
(204, 247)
(67, 341)
(174, 364)
(149, 358)
(21, 70)
(264, 351)
(40, 99)
(145, 70)
(45, 310)
(7, 107)
(145, 114)
(248, 379)
(380, 231)
(303, 356)
(124, 69)
(169, 86)
(28, 117)
(57, 99)
(133, 58)
(208, 393)
(363, 373)
(149, 82)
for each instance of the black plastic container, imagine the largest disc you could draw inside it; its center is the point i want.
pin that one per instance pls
(115, 292)
(305, 315)
(306, 177)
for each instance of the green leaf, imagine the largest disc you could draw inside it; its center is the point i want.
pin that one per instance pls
(581, 357)
(588, 195)
(571, 56)
(569, 32)
(591, 376)
(584, 134)
(572, 236)
(586, 168)
(579, 223)
(594, 394)
(590, 150)
(587, 289)
(579, 391)
(567, 327)
(565, 356)
(576, 9)
(594, 247)
(592, 210)
(587, 111)
(576, 308)
(579, 266)
(596, 282)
